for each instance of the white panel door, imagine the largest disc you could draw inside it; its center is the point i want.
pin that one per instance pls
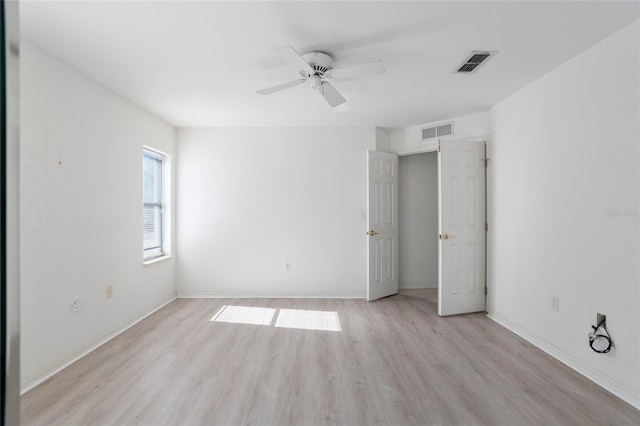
(382, 177)
(462, 235)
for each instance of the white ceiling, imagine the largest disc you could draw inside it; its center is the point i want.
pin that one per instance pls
(199, 64)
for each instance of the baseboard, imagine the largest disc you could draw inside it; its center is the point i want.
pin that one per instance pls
(612, 386)
(417, 286)
(50, 372)
(223, 295)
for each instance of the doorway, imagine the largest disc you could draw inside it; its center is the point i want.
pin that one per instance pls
(418, 226)
(461, 230)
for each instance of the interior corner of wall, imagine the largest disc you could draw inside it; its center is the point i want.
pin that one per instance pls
(383, 139)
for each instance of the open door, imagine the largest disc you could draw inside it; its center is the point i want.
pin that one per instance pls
(461, 227)
(382, 176)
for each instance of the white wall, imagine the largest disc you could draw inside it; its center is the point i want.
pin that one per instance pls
(383, 139)
(81, 213)
(418, 221)
(409, 140)
(252, 199)
(565, 153)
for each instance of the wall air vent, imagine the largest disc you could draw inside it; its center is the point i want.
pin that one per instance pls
(476, 59)
(440, 130)
(428, 133)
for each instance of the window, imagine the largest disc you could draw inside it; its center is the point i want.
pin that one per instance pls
(155, 201)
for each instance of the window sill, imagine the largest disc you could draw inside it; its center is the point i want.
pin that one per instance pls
(155, 260)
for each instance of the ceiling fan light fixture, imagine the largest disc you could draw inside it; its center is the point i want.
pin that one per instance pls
(315, 81)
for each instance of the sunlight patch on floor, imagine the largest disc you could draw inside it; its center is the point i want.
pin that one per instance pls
(287, 318)
(308, 320)
(244, 315)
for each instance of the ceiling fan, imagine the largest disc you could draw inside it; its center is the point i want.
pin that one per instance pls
(316, 69)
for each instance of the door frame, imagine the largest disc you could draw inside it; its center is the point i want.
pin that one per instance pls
(9, 265)
(433, 146)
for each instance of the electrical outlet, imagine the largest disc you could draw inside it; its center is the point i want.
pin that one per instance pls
(555, 304)
(109, 291)
(76, 305)
(287, 266)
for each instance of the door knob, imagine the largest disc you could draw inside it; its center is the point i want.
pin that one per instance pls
(372, 233)
(446, 236)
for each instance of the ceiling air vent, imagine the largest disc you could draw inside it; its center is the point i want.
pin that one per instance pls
(444, 129)
(474, 61)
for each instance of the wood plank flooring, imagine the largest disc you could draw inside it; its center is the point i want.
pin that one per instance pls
(394, 362)
(430, 294)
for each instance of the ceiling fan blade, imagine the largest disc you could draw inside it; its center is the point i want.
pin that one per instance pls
(331, 95)
(368, 68)
(279, 87)
(292, 56)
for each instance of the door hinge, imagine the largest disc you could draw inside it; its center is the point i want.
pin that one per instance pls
(486, 291)
(486, 157)
(439, 146)
(486, 227)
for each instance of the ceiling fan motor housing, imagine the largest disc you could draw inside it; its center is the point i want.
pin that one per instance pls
(320, 62)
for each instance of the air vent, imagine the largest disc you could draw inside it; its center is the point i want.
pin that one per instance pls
(444, 129)
(428, 133)
(474, 61)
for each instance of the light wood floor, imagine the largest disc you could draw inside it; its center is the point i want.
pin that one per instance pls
(430, 294)
(395, 362)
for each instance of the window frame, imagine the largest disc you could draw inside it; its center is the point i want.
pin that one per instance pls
(164, 205)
